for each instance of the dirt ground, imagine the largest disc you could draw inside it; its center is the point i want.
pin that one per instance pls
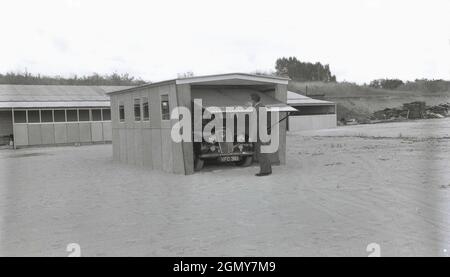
(340, 190)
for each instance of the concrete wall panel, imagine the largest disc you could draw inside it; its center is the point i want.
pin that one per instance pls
(60, 132)
(97, 131)
(123, 145)
(116, 144)
(147, 148)
(177, 157)
(167, 157)
(85, 132)
(187, 155)
(156, 149)
(155, 108)
(34, 134)
(73, 133)
(107, 131)
(312, 122)
(48, 134)
(131, 157)
(115, 111)
(20, 134)
(138, 145)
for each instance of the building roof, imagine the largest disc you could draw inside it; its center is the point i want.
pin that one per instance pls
(233, 79)
(219, 79)
(296, 99)
(28, 96)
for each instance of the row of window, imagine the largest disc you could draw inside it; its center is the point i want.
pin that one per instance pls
(61, 115)
(141, 109)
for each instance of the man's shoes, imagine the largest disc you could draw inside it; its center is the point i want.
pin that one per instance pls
(263, 174)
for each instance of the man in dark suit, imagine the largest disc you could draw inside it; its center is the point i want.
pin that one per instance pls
(263, 158)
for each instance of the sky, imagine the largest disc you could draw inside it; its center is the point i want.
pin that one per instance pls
(361, 40)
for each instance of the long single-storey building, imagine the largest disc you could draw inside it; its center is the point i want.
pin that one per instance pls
(141, 123)
(33, 115)
(311, 114)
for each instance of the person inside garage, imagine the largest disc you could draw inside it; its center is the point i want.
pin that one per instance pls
(263, 158)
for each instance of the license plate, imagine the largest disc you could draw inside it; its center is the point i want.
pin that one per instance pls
(229, 159)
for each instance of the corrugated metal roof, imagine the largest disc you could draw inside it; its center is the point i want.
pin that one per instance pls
(218, 79)
(231, 78)
(54, 104)
(295, 99)
(54, 93)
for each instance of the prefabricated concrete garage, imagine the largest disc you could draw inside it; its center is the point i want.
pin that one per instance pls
(34, 115)
(141, 123)
(311, 114)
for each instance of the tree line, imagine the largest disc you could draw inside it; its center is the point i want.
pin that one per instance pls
(424, 85)
(386, 83)
(114, 79)
(303, 71)
(288, 67)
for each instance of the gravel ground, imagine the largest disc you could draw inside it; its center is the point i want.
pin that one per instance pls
(340, 190)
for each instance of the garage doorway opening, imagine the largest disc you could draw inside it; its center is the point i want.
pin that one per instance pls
(6, 127)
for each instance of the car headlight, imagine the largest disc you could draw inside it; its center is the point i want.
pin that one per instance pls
(240, 138)
(211, 139)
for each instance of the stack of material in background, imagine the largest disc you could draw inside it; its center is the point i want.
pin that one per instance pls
(416, 109)
(413, 110)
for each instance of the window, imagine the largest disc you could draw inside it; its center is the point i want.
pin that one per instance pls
(83, 115)
(121, 113)
(60, 115)
(96, 115)
(137, 109)
(46, 116)
(72, 115)
(145, 109)
(165, 113)
(33, 116)
(20, 117)
(106, 114)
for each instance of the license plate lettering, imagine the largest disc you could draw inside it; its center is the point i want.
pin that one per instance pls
(229, 159)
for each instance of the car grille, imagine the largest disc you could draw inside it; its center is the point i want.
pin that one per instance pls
(227, 147)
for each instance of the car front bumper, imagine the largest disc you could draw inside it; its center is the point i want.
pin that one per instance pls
(217, 155)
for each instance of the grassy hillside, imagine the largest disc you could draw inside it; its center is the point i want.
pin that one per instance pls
(354, 101)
